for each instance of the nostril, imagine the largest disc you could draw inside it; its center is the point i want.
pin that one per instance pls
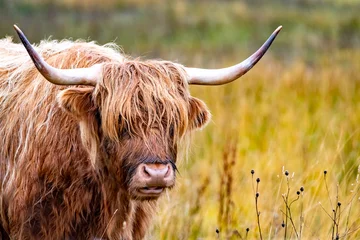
(167, 174)
(146, 172)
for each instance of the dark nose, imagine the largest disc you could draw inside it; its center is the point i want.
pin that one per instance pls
(157, 175)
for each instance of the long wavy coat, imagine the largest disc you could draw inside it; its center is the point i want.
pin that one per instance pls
(68, 154)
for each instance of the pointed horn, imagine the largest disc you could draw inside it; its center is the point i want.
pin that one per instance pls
(78, 76)
(225, 75)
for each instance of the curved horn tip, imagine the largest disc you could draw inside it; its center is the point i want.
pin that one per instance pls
(22, 36)
(278, 29)
(17, 29)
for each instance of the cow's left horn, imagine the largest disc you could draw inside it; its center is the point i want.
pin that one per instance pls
(77, 76)
(225, 75)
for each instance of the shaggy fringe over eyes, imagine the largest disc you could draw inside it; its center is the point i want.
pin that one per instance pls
(42, 155)
(142, 98)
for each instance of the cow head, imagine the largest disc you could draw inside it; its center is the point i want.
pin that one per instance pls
(133, 114)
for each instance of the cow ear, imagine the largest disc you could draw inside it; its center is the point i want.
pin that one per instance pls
(77, 101)
(199, 113)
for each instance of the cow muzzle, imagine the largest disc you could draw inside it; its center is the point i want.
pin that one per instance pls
(153, 178)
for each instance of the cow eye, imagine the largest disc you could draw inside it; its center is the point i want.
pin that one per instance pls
(171, 131)
(123, 131)
(124, 134)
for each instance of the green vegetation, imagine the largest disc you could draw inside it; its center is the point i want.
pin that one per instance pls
(296, 112)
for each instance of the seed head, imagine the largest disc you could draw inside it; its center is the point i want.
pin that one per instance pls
(298, 192)
(283, 224)
(325, 172)
(258, 180)
(252, 171)
(217, 231)
(257, 194)
(247, 229)
(301, 189)
(339, 204)
(286, 173)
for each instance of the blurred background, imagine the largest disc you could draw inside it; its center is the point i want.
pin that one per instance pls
(159, 28)
(297, 111)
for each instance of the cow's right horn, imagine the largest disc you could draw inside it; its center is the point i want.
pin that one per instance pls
(225, 75)
(77, 76)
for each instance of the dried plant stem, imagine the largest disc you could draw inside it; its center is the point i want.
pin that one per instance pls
(258, 219)
(291, 219)
(337, 213)
(326, 212)
(286, 198)
(338, 220)
(335, 219)
(334, 224)
(301, 215)
(288, 213)
(334, 212)
(256, 204)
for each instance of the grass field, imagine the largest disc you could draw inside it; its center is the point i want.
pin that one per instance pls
(290, 119)
(276, 119)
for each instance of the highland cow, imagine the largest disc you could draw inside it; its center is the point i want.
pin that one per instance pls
(89, 137)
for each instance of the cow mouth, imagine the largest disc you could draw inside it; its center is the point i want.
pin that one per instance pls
(151, 191)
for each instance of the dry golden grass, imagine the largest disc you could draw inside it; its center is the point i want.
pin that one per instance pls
(297, 118)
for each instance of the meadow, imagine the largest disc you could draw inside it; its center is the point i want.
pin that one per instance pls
(280, 158)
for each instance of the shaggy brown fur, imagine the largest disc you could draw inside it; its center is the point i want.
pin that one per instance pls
(67, 154)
